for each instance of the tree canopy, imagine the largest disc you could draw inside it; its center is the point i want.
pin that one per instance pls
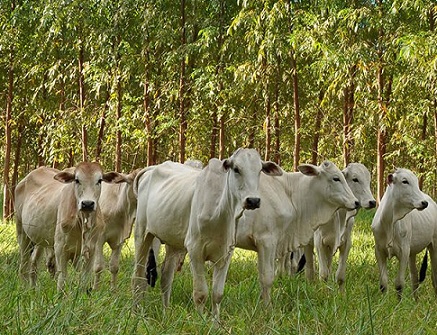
(135, 82)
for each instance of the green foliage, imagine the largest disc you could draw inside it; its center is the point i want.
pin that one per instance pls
(238, 65)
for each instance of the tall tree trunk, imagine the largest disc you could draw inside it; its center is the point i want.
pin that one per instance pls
(297, 135)
(148, 123)
(119, 109)
(277, 148)
(99, 144)
(381, 136)
(267, 107)
(82, 103)
(182, 83)
(16, 165)
(348, 114)
(421, 158)
(215, 122)
(8, 132)
(317, 126)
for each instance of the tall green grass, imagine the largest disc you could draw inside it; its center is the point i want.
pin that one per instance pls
(298, 307)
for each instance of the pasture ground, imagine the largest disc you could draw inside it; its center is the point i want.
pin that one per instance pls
(298, 307)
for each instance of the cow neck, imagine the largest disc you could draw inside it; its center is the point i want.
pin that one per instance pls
(389, 215)
(303, 200)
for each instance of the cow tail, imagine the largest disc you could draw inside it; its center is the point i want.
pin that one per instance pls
(423, 267)
(151, 272)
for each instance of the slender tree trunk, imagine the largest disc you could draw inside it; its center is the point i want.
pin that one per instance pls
(119, 110)
(267, 107)
(297, 135)
(317, 126)
(99, 144)
(421, 158)
(216, 129)
(16, 165)
(82, 103)
(293, 64)
(8, 133)
(182, 83)
(277, 149)
(348, 115)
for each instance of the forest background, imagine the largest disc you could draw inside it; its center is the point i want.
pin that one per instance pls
(130, 83)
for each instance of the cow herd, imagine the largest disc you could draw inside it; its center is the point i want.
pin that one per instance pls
(207, 212)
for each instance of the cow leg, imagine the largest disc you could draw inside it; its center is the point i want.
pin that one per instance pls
(200, 287)
(266, 270)
(171, 262)
(218, 285)
(143, 241)
(343, 256)
(433, 256)
(99, 262)
(381, 258)
(114, 264)
(414, 276)
(35, 257)
(50, 261)
(309, 266)
(324, 254)
(403, 264)
(61, 257)
(26, 248)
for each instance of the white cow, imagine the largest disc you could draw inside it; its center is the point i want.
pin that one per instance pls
(400, 230)
(293, 206)
(336, 234)
(221, 192)
(118, 205)
(59, 209)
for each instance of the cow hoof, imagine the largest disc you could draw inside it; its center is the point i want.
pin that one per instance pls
(382, 288)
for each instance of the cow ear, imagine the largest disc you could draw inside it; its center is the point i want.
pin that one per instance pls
(227, 164)
(115, 178)
(390, 178)
(309, 169)
(64, 177)
(271, 169)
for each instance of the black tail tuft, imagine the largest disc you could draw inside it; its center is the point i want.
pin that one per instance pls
(151, 272)
(423, 267)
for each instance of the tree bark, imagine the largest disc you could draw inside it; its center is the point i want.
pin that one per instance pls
(317, 126)
(99, 144)
(81, 60)
(8, 132)
(297, 134)
(182, 83)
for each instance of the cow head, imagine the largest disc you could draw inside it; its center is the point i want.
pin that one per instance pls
(244, 168)
(331, 184)
(404, 188)
(87, 178)
(358, 178)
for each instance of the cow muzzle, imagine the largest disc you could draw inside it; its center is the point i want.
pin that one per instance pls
(252, 203)
(87, 206)
(423, 205)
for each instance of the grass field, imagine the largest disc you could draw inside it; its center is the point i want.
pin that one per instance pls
(298, 307)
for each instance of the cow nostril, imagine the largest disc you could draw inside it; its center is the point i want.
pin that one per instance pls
(357, 204)
(252, 203)
(424, 204)
(372, 204)
(87, 205)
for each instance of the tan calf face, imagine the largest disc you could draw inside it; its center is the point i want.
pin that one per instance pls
(87, 178)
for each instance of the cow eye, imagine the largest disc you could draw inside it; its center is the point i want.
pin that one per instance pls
(336, 179)
(236, 170)
(77, 181)
(355, 180)
(405, 182)
(99, 181)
